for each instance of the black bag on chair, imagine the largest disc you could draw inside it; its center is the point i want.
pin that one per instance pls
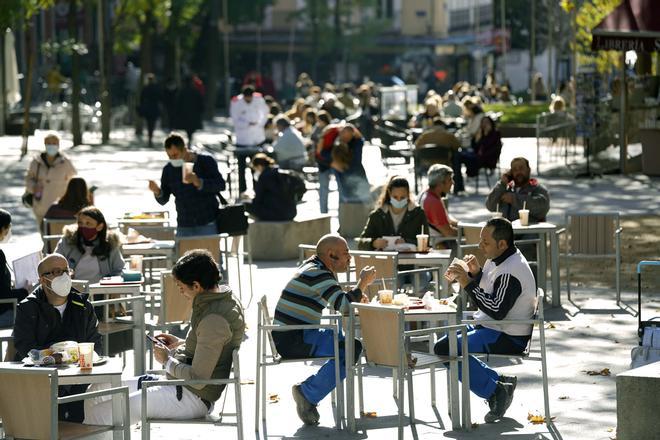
(231, 219)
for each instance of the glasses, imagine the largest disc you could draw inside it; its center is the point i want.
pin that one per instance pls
(56, 272)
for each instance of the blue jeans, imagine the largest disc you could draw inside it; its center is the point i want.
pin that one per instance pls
(324, 189)
(483, 379)
(192, 231)
(319, 385)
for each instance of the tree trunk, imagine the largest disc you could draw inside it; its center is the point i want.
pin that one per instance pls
(313, 15)
(27, 101)
(75, 75)
(213, 50)
(145, 61)
(337, 46)
(105, 60)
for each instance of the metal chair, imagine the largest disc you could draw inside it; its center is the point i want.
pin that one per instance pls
(593, 235)
(538, 319)
(265, 341)
(34, 414)
(385, 343)
(234, 379)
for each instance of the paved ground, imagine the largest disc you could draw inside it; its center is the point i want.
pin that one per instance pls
(591, 335)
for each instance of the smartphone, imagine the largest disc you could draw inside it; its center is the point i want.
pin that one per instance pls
(509, 176)
(93, 188)
(154, 340)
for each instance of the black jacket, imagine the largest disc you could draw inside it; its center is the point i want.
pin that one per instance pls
(380, 224)
(39, 325)
(5, 285)
(271, 200)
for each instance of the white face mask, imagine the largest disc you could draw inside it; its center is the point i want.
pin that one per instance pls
(256, 174)
(52, 149)
(61, 285)
(177, 163)
(7, 237)
(398, 204)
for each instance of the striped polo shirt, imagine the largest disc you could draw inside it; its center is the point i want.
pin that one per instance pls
(312, 289)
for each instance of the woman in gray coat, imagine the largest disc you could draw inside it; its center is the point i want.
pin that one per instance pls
(91, 250)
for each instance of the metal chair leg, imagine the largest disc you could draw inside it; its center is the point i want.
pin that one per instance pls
(411, 398)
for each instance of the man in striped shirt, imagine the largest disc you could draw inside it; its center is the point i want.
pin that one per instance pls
(313, 288)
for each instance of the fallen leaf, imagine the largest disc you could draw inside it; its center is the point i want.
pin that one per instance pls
(247, 382)
(603, 372)
(564, 397)
(475, 425)
(610, 429)
(571, 328)
(369, 414)
(551, 325)
(537, 419)
(273, 398)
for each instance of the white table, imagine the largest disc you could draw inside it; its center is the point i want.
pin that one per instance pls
(545, 231)
(434, 258)
(439, 313)
(164, 248)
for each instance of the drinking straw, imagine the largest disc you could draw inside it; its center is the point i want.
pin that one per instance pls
(497, 208)
(525, 204)
(383, 281)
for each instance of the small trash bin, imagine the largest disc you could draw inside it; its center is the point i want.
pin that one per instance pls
(650, 138)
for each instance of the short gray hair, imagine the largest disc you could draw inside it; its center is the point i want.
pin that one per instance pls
(438, 173)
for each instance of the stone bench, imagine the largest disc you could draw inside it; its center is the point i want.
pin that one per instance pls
(279, 240)
(637, 394)
(352, 218)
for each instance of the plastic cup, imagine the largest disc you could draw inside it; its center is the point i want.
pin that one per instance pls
(186, 170)
(385, 296)
(136, 263)
(523, 215)
(497, 214)
(86, 355)
(422, 242)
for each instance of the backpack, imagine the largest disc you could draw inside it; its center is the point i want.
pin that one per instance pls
(293, 184)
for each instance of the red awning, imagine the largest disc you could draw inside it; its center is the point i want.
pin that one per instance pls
(633, 25)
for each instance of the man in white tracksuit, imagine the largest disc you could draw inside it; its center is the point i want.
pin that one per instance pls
(503, 289)
(249, 113)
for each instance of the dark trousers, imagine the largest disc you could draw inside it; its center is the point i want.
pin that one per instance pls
(469, 158)
(242, 154)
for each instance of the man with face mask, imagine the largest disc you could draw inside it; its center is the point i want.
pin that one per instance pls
(516, 189)
(195, 190)
(47, 177)
(54, 312)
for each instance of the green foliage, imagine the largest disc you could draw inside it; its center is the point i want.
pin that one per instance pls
(66, 47)
(246, 11)
(14, 10)
(517, 114)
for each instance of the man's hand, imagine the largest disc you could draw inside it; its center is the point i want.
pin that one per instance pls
(508, 198)
(161, 354)
(170, 341)
(379, 243)
(154, 188)
(399, 241)
(364, 299)
(473, 264)
(459, 274)
(505, 178)
(367, 276)
(192, 178)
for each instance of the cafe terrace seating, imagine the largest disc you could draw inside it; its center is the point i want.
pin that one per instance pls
(265, 342)
(234, 380)
(29, 403)
(385, 340)
(537, 320)
(593, 235)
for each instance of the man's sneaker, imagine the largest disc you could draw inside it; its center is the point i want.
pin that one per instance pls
(306, 411)
(499, 402)
(513, 380)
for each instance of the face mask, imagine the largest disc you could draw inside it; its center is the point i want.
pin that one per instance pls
(399, 204)
(87, 233)
(7, 237)
(52, 149)
(177, 163)
(61, 285)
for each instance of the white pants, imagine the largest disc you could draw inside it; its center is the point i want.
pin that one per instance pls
(161, 403)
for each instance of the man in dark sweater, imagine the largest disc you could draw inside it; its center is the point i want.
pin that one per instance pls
(195, 190)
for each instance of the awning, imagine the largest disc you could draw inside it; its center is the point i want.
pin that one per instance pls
(633, 25)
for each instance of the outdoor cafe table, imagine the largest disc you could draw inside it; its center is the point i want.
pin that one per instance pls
(163, 248)
(434, 258)
(127, 289)
(438, 313)
(108, 372)
(544, 231)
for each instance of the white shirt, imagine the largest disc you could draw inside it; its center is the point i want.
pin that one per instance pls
(249, 119)
(289, 145)
(61, 309)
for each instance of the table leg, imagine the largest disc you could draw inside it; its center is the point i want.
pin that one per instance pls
(138, 336)
(542, 269)
(554, 256)
(350, 397)
(117, 408)
(453, 382)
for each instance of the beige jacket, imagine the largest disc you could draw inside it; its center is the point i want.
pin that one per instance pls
(50, 181)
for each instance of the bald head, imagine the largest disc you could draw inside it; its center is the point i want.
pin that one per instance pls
(50, 262)
(328, 243)
(332, 250)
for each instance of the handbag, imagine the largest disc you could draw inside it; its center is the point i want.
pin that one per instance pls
(231, 219)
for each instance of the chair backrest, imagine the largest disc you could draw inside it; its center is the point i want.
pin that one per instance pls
(209, 242)
(592, 233)
(382, 333)
(81, 286)
(28, 402)
(266, 319)
(306, 251)
(434, 153)
(54, 226)
(385, 264)
(174, 307)
(10, 353)
(156, 232)
(470, 235)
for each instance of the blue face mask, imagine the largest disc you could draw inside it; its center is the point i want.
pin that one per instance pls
(177, 163)
(398, 204)
(52, 149)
